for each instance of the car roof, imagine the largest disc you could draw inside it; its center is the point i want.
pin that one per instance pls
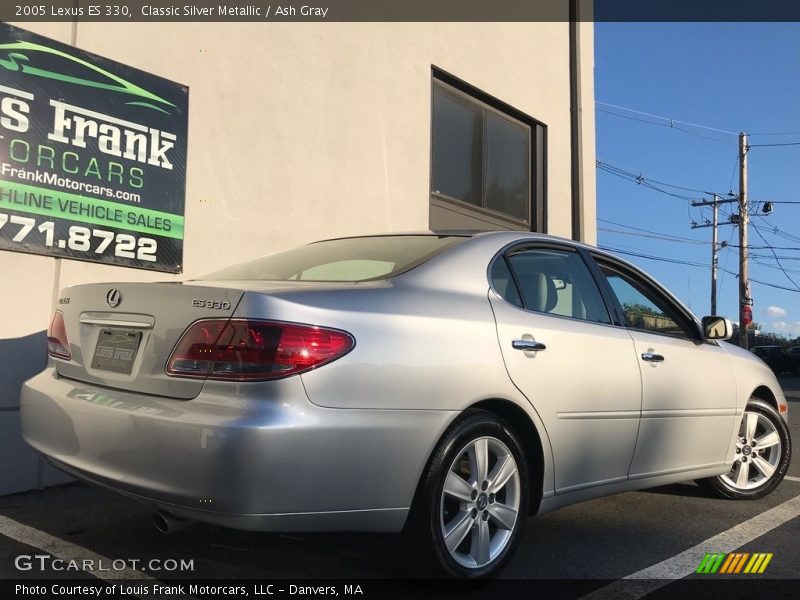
(468, 233)
(508, 234)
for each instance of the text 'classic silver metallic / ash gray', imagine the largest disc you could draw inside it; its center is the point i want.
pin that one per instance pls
(449, 385)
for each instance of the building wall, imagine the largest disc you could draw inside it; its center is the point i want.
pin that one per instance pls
(25, 307)
(588, 156)
(304, 131)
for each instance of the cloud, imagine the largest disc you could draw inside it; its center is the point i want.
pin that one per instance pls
(793, 328)
(775, 311)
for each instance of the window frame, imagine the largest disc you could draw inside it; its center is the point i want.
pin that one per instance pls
(648, 287)
(536, 165)
(524, 245)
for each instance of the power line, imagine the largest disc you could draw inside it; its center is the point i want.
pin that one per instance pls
(768, 266)
(774, 230)
(640, 178)
(647, 182)
(768, 257)
(668, 119)
(733, 173)
(655, 186)
(640, 229)
(669, 235)
(672, 123)
(668, 126)
(646, 235)
(692, 264)
(652, 184)
(751, 247)
(641, 181)
(776, 133)
(773, 145)
(676, 261)
(724, 268)
(758, 232)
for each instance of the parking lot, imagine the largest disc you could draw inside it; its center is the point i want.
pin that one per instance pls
(652, 534)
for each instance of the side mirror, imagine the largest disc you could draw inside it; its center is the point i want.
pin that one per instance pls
(717, 328)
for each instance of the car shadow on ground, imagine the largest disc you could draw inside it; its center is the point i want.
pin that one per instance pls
(326, 555)
(686, 490)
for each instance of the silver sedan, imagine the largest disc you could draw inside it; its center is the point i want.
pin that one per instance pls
(446, 385)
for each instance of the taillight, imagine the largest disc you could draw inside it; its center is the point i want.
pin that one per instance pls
(245, 350)
(57, 342)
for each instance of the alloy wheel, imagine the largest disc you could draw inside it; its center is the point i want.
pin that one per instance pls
(480, 502)
(758, 452)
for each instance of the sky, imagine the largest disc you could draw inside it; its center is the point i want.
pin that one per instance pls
(727, 78)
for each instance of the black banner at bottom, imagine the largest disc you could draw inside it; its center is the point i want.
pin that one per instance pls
(279, 589)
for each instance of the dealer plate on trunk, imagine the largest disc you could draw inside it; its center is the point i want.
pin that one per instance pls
(115, 350)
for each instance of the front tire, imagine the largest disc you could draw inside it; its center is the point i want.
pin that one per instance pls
(763, 453)
(474, 498)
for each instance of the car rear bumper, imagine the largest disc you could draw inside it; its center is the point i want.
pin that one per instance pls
(255, 456)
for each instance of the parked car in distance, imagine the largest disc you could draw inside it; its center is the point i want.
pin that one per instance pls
(794, 352)
(778, 358)
(444, 385)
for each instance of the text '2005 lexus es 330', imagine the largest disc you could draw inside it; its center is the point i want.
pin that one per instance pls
(445, 385)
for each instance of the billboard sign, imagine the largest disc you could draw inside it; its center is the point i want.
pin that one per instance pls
(92, 156)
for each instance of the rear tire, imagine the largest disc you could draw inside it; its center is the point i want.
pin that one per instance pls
(763, 453)
(473, 500)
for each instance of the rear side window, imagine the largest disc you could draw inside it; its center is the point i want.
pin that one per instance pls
(503, 282)
(555, 282)
(346, 260)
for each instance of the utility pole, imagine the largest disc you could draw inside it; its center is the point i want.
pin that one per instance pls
(715, 246)
(714, 258)
(745, 301)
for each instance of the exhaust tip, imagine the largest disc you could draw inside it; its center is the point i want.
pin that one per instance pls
(168, 523)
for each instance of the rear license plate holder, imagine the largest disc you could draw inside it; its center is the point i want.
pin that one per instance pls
(116, 350)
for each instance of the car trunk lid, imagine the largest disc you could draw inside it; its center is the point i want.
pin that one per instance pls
(121, 335)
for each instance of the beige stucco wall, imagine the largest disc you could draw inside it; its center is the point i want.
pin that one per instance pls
(304, 131)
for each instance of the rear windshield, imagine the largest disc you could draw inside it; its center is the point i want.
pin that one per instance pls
(348, 259)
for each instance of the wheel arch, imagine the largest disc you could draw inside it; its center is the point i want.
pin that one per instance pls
(523, 426)
(765, 394)
(529, 437)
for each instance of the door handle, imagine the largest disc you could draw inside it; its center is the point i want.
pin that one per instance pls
(527, 345)
(650, 357)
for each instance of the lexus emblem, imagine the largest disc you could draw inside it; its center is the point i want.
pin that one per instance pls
(113, 297)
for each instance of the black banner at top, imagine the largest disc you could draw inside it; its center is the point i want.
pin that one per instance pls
(399, 10)
(92, 156)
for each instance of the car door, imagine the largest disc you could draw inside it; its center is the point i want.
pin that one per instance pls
(688, 384)
(563, 352)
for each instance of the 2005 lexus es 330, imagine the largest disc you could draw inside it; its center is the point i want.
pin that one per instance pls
(449, 385)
